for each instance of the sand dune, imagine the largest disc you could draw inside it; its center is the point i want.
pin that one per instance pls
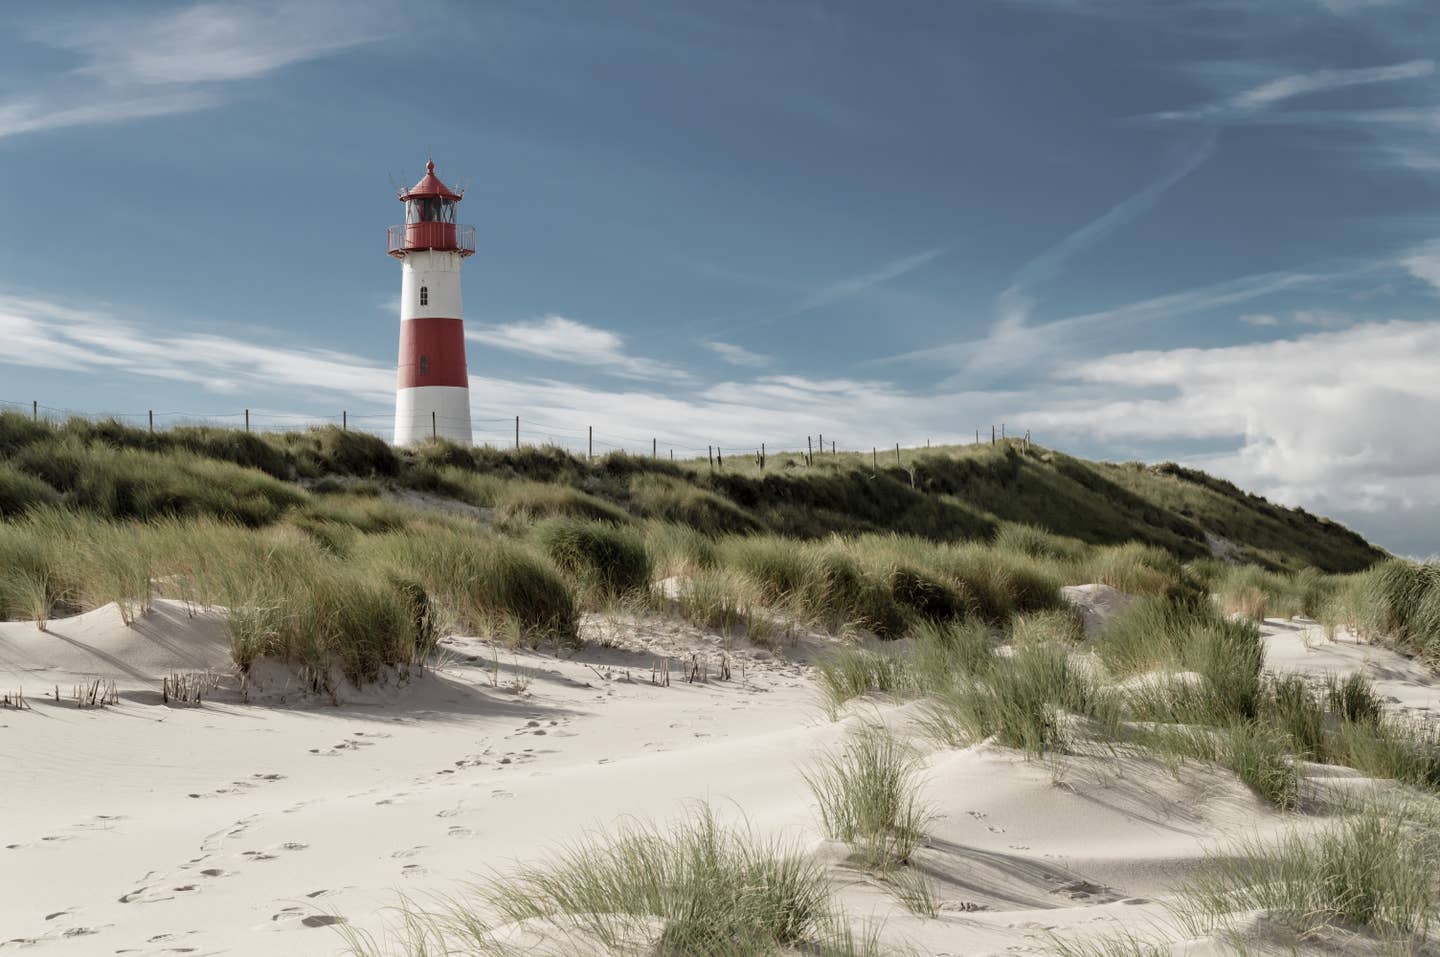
(249, 828)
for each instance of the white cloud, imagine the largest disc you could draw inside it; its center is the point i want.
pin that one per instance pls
(1336, 420)
(162, 63)
(1424, 263)
(564, 340)
(1259, 319)
(736, 355)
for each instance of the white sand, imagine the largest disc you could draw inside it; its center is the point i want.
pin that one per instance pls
(235, 828)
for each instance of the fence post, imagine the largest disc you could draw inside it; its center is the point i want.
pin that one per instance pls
(992, 435)
(719, 459)
(897, 453)
(1002, 431)
(832, 446)
(654, 446)
(434, 429)
(762, 456)
(152, 421)
(809, 452)
(517, 433)
(35, 410)
(822, 443)
(874, 460)
(672, 455)
(344, 420)
(977, 436)
(710, 454)
(247, 420)
(590, 455)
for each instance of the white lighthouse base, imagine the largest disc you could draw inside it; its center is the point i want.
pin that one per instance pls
(450, 406)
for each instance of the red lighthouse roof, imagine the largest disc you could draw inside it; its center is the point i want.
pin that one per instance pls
(430, 187)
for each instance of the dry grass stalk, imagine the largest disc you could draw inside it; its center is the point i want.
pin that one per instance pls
(188, 687)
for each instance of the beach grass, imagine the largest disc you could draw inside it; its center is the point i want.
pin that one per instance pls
(868, 796)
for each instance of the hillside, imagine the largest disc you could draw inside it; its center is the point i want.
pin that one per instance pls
(944, 494)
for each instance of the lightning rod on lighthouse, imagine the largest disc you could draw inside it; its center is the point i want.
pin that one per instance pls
(432, 396)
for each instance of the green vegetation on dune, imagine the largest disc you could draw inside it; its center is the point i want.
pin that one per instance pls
(331, 549)
(947, 493)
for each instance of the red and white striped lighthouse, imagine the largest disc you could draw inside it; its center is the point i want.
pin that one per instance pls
(433, 393)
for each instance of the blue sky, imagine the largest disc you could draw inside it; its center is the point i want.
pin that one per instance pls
(1204, 231)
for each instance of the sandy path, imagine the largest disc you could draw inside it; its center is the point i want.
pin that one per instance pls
(240, 829)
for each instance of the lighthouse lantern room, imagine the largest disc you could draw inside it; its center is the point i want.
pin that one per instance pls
(433, 393)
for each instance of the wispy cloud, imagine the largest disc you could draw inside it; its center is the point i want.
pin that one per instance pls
(36, 113)
(848, 288)
(854, 285)
(160, 63)
(1279, 89)
(737, 355)
(1034, 345)
(210, 42)
(1014, 304)
(559, 339)
(47, 335)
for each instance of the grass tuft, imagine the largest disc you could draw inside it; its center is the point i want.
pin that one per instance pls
(868, 794)
(608, 560)
(1371, 871)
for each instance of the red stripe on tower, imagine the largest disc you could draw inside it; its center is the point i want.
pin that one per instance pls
(432, 352)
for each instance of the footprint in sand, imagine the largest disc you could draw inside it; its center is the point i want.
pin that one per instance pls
(212, 842)
(100, 822)
(457, 831)
(502, 793)
(410, 851)
(412, 870)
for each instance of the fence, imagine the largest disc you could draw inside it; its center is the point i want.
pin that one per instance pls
(507, 432)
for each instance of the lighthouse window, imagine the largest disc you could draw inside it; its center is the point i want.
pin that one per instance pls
(424, 295)
(424, 365)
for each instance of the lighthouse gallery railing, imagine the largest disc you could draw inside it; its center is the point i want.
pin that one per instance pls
(408, 237)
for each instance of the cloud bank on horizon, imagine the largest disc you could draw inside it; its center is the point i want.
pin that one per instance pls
(743, 225)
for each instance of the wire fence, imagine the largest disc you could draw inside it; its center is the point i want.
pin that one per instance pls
(507, 432)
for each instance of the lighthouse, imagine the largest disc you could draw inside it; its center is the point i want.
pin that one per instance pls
(432, 394)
